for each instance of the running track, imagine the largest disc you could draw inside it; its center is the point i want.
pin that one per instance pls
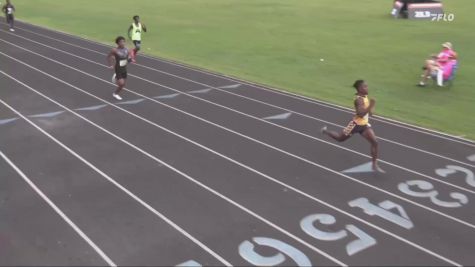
(194, 168)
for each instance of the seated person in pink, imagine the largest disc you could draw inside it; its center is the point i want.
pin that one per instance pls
(440, 66)
(448, 68)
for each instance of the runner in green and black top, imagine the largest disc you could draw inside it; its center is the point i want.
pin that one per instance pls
(135, 34)
(9, 9)
(118, 59)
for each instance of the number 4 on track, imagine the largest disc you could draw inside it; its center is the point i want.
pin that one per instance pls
(383, 210)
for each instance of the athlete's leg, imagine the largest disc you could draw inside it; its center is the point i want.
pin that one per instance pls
(135, 50)
(120, 85)
(12, 22)
(137, 46)
(369, 135)
(429, 67)
(340, 137)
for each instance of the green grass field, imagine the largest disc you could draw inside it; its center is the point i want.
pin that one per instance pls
(280, 43)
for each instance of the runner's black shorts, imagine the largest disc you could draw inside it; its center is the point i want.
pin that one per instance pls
(353, 128)
(120, 73)
(9, 18)
(137, 44)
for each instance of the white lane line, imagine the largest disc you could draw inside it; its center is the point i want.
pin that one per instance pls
(382, 119)
(255, 171)
(249, 138)
(255, 215)
(125, 190)
(258, 101)
(58, 210)
(273, 90)
(236, 111)
(311, 117)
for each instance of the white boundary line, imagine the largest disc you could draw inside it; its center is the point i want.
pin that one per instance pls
(230, 109)
(264, 175)
(55, 208)
(390, 121)
(209, 189)
(309, 117)
(251, 99)
(380, 118)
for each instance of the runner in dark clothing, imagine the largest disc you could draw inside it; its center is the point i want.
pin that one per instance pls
(9, 9)
(118, 59)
